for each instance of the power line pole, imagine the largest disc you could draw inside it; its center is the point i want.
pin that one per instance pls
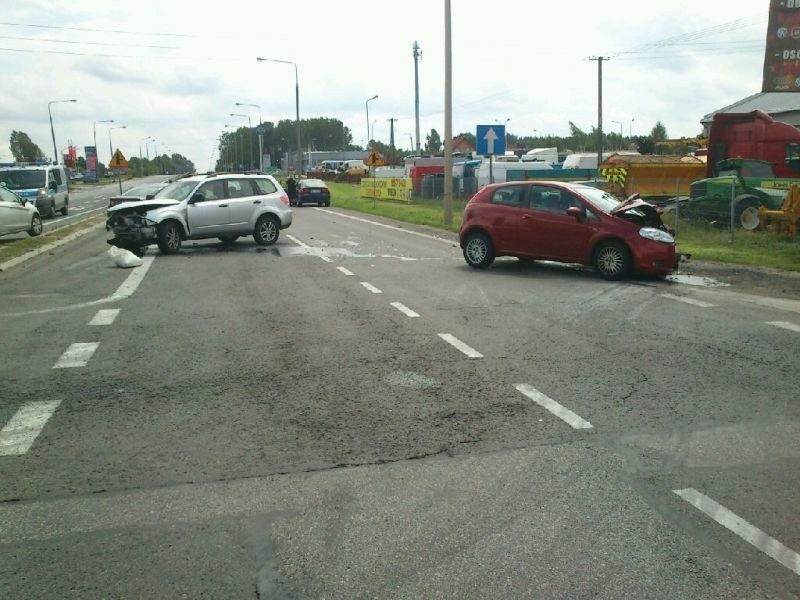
(417, 56)
(448, 118)
(391, 131)
(599, 60)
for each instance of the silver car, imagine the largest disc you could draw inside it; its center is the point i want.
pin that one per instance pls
(225, 206)
(18, 214)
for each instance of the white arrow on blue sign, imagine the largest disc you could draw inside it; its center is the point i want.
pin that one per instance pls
(490, 140)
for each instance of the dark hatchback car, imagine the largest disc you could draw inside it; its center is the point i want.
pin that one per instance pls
(145, 191)
(566, 222)
(312, 191)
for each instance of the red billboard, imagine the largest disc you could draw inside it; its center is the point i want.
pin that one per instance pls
(782, 56)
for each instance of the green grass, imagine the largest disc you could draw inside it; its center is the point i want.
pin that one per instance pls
(703, 242)
(13, 248)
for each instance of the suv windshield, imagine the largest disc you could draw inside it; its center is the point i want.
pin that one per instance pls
(179, 190)
(20, 179)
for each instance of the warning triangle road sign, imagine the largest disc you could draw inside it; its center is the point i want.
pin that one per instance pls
(118, 161)
(374, 159)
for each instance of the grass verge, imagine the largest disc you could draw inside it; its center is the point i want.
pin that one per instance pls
(703, 242)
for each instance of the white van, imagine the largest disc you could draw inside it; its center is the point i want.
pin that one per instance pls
(354, 167)
(47, 186)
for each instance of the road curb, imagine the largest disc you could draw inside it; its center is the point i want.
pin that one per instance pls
(46, 248)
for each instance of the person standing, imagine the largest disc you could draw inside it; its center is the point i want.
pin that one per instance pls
(291, 189)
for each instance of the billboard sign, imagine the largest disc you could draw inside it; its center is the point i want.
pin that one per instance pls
(782, 56)
(90, 174)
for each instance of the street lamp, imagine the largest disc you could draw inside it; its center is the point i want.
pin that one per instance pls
(235, 144)
(140, 146)
(52, 131)
(94, 136)
(250, 135)
(620, 132)
(367, 105)
(110, 148)
(296, 102)
(260, 137)
(372, 136)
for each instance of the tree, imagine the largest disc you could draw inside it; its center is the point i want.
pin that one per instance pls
(659, 132)
(23, 149)
(644, 144)
(433, 143)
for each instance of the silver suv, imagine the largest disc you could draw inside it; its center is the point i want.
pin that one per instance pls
(221, 205)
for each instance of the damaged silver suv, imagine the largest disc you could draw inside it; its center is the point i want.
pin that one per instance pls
(222, 205)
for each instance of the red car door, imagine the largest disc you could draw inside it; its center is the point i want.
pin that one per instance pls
(547, 231)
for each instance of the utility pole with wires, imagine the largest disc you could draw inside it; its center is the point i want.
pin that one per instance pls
(391, 131)
(417, 56)
(599, 60)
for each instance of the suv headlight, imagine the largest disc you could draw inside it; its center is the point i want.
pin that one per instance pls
(651, 233)
(41, 193)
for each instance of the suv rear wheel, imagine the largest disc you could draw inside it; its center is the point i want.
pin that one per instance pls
(267, 230)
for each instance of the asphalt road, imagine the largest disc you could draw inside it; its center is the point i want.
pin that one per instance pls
(355, 413)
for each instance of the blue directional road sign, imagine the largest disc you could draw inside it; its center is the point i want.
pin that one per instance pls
(491, 140)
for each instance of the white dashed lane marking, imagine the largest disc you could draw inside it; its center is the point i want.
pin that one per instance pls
(554, 407)
(346, 271)
(785, 325)
(24, 427)
(77, 355)
(691, 301)
(749, 533)
(404, 309)
(105, 316)
(371, 287)
(458, 344)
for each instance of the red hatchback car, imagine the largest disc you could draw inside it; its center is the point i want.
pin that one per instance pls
(566, 222)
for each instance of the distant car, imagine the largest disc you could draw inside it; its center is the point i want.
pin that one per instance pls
(566, 222)
(226, 206)
(145, 191)
(46, 185)
(18, 214)
(313, 191)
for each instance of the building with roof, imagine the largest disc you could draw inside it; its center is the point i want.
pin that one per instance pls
(781, 106)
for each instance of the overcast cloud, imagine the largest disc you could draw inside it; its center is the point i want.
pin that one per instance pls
(174, 70)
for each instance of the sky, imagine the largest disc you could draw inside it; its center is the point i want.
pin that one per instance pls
(173, 71)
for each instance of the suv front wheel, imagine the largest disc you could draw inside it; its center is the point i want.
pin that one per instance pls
(169, 237)
(266, 231)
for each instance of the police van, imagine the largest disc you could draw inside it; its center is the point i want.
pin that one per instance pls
(46, 185)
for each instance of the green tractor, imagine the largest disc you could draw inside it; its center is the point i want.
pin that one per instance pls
(755, 185)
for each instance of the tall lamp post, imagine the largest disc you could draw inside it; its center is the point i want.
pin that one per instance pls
(235, 144)
(296, 102)
(250, 131)
(52, 131)
(620, 132)
(110, 148)
(94, 136)
(140, 145)
(367, 105)
(260, 137)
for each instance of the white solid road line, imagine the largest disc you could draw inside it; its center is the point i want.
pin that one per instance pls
(24, 427)
(77, 355)
(554, 407)
(458, 344)
(105, 316)
(296, 241)
(346, 271)
(751, 534)
(404, 309)
(134, 279)
(371, 287)
(691, 301)
(785, 325)
(417, 233)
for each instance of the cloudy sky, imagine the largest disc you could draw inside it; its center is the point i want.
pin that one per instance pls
(173, 70)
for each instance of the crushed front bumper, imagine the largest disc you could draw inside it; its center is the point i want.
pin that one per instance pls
(131, 231)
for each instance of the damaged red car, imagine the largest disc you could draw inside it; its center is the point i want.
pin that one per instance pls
(566, 222)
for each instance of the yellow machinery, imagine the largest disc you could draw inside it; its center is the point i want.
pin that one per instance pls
(784, 221)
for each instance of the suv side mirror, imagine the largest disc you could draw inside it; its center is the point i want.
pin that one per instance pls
(149, 196)
(197, 198)
(53, 186)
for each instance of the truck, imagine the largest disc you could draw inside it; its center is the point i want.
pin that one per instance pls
(754, 135)
(655, 178)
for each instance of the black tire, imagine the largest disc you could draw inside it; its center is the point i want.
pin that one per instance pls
(228, 239)
(52, 213)
(612, 260)
(478, 250)
(65, 208)
(169, 237)
(36, 226)
(267, 230)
